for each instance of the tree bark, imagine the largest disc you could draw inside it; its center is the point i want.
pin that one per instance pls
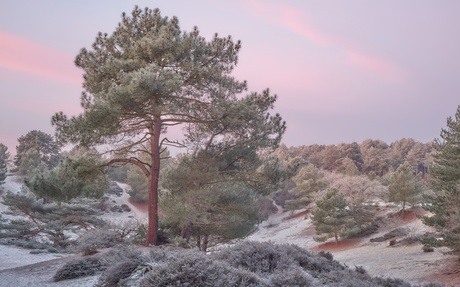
(186, 231)
(152, 233)
(204, 245)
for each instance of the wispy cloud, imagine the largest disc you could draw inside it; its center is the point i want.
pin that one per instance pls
(21, 55)
(376, 65)
(290, 18)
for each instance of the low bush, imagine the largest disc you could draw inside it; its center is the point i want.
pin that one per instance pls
(255, 257)
(197, 269)
(96, 239)
(427, 248)
(84, 266)
(296, 277)
(121, 270)
(91, 265)
(246, 264)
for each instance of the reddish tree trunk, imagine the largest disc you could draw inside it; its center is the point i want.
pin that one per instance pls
(152, 232)
(186, 231)
(204, 245)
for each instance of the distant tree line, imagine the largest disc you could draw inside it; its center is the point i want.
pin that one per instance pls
(371, 157)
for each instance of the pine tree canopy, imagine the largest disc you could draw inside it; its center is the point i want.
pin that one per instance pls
(445, 181)
(149, 75)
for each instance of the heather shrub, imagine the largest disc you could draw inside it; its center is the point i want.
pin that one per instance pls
(263, 258)
(293, 278)
(91, 265)
(108, 236)
(327, 255)
(255, 257)
(98, 238)
(121, 270)
(345, 277)
(198, 269)
(84, 266)
(311, 262)
(391, 282)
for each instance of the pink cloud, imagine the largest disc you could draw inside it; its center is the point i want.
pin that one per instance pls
(377, 65)
(24, 56)
(290, 18)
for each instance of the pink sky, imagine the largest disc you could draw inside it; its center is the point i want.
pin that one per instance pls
(21, 55)
(343, 70)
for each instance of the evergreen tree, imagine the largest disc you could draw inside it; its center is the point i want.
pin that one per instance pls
(39, 222)
(308, 181)
(4, 157)
(405, 187)
(357, 190)
(31, 163)
(209, 195)
(78, 175)
(40, 143)
(330, 215)
(445, 181)
(149, 75)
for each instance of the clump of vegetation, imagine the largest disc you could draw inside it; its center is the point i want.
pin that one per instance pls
(247, 263)
(95, 264)
(84, 266)
(46, 223)
(109, 235)
(4, 157)
(445, 181)
(119, 271)
(197, 269)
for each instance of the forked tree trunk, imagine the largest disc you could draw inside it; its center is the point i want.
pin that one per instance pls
(152, 232)
(336, 238)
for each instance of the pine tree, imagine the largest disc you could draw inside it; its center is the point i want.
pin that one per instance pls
(445, 181)
(330, 215)
(405, 187)
(40, 143)
(308, 181)
(149, 75)
(4, 157)
(78, 175)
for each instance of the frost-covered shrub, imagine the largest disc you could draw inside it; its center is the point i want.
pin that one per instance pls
(313, 263)
(255, 257)
(197, 269)
(327, 255)
(108, 236)
(98, 238)
(391, 282)
(91, 265)
(346, 277)
(268, 258)
(294, 278)
(84, 266)
(113, 275)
